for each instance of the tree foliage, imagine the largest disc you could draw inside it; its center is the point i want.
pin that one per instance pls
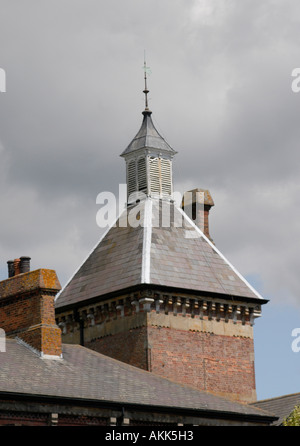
(294, 418)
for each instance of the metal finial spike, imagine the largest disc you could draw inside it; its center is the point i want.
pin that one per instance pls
(146, 91)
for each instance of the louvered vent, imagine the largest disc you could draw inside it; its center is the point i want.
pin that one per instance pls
(154, 175)
(142, 175)
(151, 175)
(166, 180)
(131, 177)
(160, 176)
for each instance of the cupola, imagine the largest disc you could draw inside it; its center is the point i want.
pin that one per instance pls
(148, 160)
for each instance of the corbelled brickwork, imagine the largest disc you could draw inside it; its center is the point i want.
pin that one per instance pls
(27, 310)
(204, 344)
(223, 365)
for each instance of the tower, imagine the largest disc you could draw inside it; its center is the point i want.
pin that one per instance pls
(158, 294)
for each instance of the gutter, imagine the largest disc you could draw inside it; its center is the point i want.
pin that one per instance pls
(122, 408)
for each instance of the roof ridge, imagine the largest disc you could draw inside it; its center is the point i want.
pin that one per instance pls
(147, 236)
(289, 395)
(88, 255)
(219, 253)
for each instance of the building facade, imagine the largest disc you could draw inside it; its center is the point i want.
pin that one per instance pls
(154, 328)
(44, 382)
(156, 293)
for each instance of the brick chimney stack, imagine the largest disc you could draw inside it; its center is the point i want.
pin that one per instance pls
(196, 204)
(27, 307)
(18, 266)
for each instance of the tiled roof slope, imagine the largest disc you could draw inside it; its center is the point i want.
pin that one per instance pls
(177, 255)
(85, 374)
(114, 264)
(281, 406)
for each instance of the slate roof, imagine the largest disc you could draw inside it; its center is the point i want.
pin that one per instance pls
(179, 256)
(281, 406)
(86, 374)
(148, 137)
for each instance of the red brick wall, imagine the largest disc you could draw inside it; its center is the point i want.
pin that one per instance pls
(220, 364)
(129, 347)
(46, 339)
(214, 363)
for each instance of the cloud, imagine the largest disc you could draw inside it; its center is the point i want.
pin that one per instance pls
(220, 92)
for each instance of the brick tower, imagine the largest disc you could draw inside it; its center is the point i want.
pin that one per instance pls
(156, 293)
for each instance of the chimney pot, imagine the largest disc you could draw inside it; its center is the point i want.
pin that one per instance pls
(25, 264)
(11, 269)
(17, 267)
(197, 204)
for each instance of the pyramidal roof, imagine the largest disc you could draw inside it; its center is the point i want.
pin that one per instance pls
(148, 137)
(157, 251)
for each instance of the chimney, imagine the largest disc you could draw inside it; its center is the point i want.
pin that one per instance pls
(18, 266)
(196, 204)
(27, 308)
(24, 264)
(11, 269)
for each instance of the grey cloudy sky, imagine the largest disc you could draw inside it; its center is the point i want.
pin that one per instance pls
(220, 92)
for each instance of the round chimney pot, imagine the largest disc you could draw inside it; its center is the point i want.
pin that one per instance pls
(11, 269)
(24, 264)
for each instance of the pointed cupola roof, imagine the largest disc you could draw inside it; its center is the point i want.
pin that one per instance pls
(148, 137)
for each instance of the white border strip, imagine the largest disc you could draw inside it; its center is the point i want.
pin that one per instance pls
(147, 236)
(219, 253)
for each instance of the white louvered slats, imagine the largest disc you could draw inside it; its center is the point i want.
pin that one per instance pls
(150, 175)
(166, 180)
(160, 176)
(142, 174)
(131, 177)
(155, 186)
